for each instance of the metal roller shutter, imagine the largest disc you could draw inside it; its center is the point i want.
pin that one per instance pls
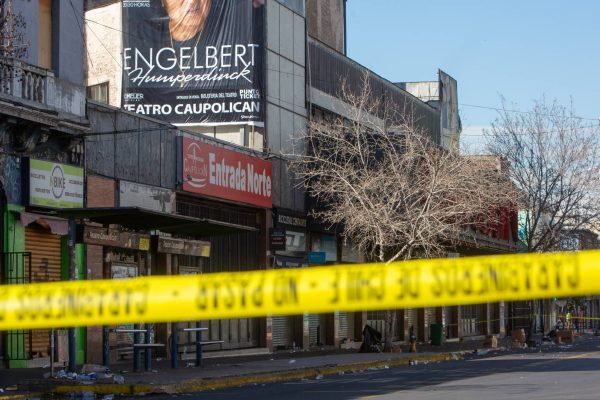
(45, 251)
(412, 320)
(346, 321)
(281, 331)
(343, 325)
(313, 328)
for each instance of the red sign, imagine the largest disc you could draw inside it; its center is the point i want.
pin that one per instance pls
(226, 174)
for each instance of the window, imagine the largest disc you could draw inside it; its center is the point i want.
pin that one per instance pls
(98, 92)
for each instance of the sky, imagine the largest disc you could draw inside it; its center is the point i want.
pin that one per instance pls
(521, 50)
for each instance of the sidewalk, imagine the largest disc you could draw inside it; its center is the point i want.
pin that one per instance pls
(230, 371)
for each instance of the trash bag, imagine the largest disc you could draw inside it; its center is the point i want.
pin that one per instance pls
(371, 340)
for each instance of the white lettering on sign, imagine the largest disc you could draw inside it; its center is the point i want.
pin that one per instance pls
(234, 176)
(224, 173)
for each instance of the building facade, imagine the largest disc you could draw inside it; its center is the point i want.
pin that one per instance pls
(42, 120)
(156, 165)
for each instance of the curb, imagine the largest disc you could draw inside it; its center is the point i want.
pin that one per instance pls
(20, 396)
(203, 384)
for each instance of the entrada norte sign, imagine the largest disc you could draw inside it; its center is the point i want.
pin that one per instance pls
(226, 174)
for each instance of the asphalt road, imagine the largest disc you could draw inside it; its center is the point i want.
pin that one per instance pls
(555, 373)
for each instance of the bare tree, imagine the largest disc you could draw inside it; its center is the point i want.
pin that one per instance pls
(12, 32)
(554, 159)
(379, 178)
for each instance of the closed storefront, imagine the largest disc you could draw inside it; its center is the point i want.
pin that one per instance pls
(472, 320)
(233, 251)
(45, 249)
(123, 255)
(35, 251)
(411, 319)
(288, 246)
(346, 326)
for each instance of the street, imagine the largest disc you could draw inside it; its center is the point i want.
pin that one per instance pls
(562, 372)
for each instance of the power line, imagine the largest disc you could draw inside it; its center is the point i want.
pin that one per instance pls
(525, 112)
(103, 46)
(327, 81)
(81, 31)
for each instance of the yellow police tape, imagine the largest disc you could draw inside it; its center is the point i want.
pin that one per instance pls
(419, 283)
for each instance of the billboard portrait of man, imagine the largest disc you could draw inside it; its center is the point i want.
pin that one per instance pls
(193, 62)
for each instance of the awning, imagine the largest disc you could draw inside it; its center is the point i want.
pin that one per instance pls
(58, 226)
(147, 220)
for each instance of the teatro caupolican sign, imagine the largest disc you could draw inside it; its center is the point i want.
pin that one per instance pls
(192, 62)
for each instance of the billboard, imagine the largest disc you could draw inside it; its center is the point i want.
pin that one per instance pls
(226, 174)
(194, 62)
(450, 119)
(53, 184)
(154, 198)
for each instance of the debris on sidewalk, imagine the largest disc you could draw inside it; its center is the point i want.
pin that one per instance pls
(118, 379)
(92, 376)
(87, 368)
(319, 377)
(291, 361)
(491, 342)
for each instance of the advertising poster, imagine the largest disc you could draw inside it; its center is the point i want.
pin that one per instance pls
(193, 62)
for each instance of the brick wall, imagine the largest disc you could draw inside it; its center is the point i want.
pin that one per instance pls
(100, 192)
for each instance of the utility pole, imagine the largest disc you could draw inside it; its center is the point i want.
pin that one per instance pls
(73, 276)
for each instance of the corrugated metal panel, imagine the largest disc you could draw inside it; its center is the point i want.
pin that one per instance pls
(314, 321)
(328, 68)
(343, 325)
(431, 316)
(281, 331)
(346, 328)
(45, 251)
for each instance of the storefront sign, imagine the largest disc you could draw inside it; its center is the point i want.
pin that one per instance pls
(317, 257)
(55, 185)
(227, 174)
(194, 62)
(289, 262)
(277, 237)
(115, 238)
(295, 241)
(185, 247)
(294, 224)
(144, 196)
(286, 219)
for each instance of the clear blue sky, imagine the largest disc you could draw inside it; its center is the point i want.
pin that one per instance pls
(522, 50)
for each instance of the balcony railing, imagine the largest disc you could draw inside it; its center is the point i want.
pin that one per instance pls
(39, 88)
